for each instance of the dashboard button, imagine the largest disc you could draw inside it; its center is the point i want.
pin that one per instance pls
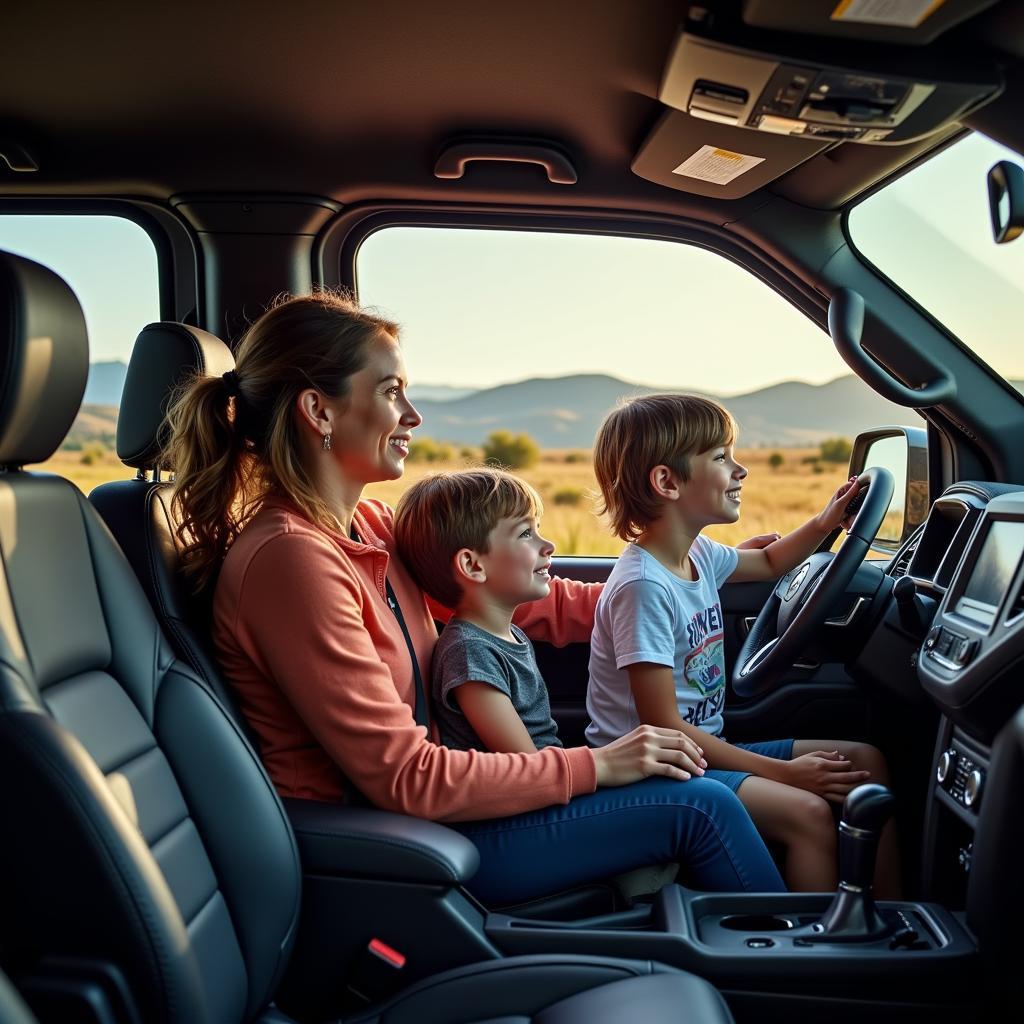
(972, 788)
(947, 761)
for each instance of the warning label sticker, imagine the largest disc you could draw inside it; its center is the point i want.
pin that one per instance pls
(719, 166)
(898, 13)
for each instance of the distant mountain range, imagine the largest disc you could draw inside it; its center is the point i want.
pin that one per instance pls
(565, 412)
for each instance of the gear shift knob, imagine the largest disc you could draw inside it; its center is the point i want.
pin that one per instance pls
(852, 916)
(865, 812)
(868, 807)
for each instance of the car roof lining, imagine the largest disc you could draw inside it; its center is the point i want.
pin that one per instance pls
(353, 102)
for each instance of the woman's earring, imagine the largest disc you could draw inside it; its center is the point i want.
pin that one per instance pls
(327, 446)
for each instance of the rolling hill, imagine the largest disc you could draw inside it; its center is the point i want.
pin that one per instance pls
(564, 412)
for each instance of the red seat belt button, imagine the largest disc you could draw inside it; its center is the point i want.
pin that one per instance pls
(386, 953)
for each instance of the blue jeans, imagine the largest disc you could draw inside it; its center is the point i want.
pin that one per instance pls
(700, 823)
(781, 750)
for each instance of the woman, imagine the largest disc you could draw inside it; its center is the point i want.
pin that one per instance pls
(315, 621)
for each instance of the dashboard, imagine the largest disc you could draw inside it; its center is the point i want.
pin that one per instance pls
(953, 632)
(967, 561)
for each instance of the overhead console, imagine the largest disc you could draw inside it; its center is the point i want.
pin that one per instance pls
(818, 98)
(747, 106)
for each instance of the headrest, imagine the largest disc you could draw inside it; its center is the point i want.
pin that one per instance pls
(165, 356)
(44, 360)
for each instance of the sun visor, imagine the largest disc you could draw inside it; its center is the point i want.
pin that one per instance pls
(717, 160)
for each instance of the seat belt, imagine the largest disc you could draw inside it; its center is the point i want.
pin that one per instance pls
(420, 713)
(421, 697)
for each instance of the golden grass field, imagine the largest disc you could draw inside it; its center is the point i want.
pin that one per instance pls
(773, 499)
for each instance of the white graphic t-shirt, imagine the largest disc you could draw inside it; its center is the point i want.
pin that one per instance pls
(646, 613)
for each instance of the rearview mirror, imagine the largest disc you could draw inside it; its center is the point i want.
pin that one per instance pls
(1006, 200)
(904, 452)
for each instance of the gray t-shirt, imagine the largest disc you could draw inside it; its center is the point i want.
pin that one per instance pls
(466, 653)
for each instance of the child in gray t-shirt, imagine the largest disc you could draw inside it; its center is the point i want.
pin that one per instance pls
(470, 540)
(465, 654)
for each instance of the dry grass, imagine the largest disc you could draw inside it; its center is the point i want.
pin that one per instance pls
(774, 499)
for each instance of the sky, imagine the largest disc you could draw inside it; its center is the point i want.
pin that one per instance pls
(480, 308)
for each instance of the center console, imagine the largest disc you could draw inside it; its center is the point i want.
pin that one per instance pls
(385, 903)
(776, 955)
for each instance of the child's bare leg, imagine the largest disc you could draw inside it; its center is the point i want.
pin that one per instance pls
(803, 823)
(865, 757)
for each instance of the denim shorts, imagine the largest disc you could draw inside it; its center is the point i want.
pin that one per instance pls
(781, 750)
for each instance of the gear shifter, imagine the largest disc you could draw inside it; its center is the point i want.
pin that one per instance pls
(852, 915)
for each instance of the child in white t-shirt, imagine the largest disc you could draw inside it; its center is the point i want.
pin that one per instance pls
(666, 468)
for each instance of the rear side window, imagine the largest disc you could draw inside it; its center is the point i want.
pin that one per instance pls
(111, 265)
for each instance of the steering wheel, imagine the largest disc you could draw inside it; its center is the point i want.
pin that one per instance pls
(803, 597)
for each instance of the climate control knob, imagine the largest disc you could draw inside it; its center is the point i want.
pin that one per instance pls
(944, 769)
(972, 788)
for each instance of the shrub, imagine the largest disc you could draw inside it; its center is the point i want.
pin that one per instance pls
(775, 460)
(568, 496)
(92, 453)
(518, 451)
(817, 468)
(577, 456)
(426, 449)
(835, 449)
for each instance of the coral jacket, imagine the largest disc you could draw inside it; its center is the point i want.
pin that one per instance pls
(304, 633)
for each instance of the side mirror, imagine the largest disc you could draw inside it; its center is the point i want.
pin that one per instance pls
(904, 452)
(1006, 200)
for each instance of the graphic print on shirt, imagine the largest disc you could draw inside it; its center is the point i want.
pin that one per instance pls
(704, 666)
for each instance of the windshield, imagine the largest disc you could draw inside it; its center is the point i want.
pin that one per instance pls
(930, 232)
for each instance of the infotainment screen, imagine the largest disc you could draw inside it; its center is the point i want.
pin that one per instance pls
(994, 569)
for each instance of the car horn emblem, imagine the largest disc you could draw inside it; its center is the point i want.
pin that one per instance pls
(797, 580)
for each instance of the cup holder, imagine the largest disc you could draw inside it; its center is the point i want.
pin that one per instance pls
(756, 923)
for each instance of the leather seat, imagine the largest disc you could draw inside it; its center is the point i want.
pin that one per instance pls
(141, 833)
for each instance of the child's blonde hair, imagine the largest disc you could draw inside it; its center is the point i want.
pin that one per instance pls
(445, 512)
(655, 430)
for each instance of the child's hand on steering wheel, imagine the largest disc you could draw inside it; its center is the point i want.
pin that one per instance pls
(835, 513)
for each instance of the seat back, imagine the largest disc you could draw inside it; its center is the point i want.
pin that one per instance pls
(138, 512)
(139, 824)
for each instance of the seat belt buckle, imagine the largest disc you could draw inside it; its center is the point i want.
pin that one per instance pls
(376, 972)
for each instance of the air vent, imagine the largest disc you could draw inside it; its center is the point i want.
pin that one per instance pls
(902, 563)
(1016, 609)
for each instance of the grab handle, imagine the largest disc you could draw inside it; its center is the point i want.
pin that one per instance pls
(454, 158)
(846, 325)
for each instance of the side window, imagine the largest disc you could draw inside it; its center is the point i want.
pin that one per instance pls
(518, 343)
(111, 265)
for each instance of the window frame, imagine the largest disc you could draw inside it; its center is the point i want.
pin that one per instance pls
(178, 255)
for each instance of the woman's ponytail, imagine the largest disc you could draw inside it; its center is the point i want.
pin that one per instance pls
(208, 454)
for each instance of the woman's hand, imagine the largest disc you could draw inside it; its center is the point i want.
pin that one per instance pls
(647, 751)
(826, 773)
(834, 513)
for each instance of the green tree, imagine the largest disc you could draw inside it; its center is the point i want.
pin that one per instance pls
(835, 449)
(516, 451)
(775, 460)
